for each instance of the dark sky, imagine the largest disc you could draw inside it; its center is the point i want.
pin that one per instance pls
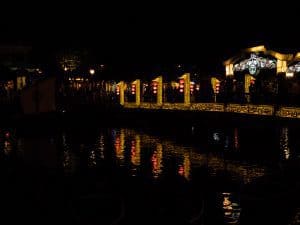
(204, 33)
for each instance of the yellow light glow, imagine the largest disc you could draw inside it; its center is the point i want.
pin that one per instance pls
(119, 145)
(289, 74)
(136, 150)
(157, 160)
(281, 66)
(260, 48)
(229, 69)
(92, 71)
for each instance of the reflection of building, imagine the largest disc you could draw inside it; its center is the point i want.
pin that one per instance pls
(136, 150)
(231, 209)
(119, 144)
(184, 169)
(156, 160)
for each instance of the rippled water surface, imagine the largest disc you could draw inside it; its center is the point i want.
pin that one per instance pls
(132, 176)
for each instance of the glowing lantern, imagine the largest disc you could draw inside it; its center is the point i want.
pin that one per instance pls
(217, 86)
(192, 84)
(181, 85)
(154, 86)
(133, 89)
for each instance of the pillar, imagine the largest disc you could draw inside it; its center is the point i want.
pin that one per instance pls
(215, 83)
(187, 94)
(281, 66)
(121, 86)
(159, 97)
(229, 69)
(137, 91)
(247, 84)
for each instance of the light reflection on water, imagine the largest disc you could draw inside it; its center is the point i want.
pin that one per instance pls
(187, 157)
(157, 157)
(284, 142)
(231, 209)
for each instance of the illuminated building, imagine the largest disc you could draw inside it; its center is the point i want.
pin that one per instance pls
(256, 72)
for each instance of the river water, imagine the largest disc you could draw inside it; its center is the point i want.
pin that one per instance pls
(197, 175)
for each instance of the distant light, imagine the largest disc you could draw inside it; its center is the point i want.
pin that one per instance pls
(216, 136)
(289, 74)
(65, 68)
(92, 71)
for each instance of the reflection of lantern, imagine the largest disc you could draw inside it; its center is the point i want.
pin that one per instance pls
(181, 85)
(133, 89)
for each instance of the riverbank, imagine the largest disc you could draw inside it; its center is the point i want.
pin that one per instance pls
(94, 117)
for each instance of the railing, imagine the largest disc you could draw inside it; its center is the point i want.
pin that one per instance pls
(265, 110)
(289, 112)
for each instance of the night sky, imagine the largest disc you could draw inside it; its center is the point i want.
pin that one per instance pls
(147, 34)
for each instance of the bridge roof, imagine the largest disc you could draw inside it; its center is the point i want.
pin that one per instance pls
(259, 49)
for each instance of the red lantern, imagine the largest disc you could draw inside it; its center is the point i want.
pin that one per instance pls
(217, 87)
(181, 85)
(154, 87)
(133, 89)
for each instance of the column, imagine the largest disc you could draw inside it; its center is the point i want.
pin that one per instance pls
(121, 86)
(215, 83)
(247, 84)
(159, 97)
(187, 97)
(281, 66)
(229, 69)
(137, 91)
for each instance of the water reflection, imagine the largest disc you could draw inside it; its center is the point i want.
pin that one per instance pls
(187, 158)
(100, 146)
(169, 166)
(136, 150)
(119, 144)
(231, 209)
(92, 159)
(7, 147)
(156, 160)
(67, 155)
(236, 138)
(284, 142)
(184, 169)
